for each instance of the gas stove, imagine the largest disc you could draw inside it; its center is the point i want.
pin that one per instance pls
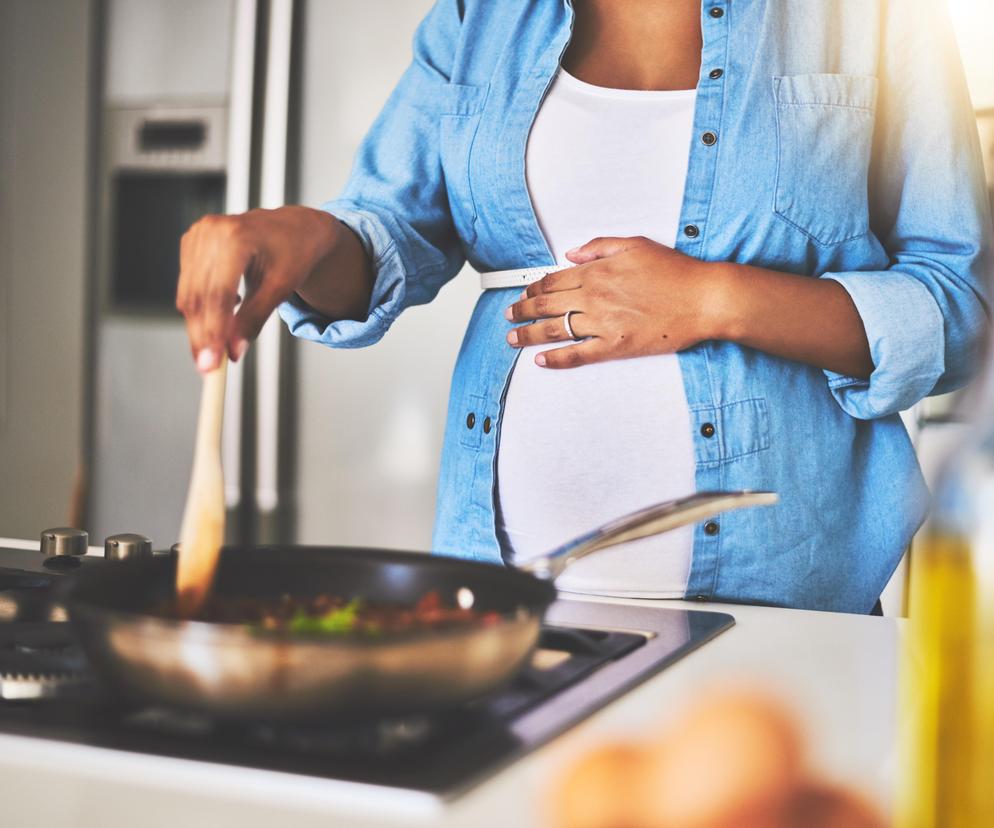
(589, 654)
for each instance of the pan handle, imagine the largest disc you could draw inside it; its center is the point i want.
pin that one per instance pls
(652, 520)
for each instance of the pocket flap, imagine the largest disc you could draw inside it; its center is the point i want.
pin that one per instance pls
(856, 91)
(738, 428)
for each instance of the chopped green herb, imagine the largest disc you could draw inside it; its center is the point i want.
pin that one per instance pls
(340, 620)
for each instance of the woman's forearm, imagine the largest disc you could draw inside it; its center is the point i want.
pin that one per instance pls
(807, 320)
(341, 283)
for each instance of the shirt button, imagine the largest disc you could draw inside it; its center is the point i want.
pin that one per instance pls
(717, 12)
(711, 528)
(709, 139)
(470, 420)
(691, 231)
(700, 598)
(707, 429)
(714, 74)
(486, 425)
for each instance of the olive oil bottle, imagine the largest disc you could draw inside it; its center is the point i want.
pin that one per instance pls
(946, 736)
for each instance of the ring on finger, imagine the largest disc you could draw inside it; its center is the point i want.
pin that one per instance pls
(569, 327)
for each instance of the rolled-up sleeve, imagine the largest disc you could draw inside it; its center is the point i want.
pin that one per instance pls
(395, 200)
(927, 314)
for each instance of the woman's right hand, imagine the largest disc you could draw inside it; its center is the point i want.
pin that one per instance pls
(280, 252)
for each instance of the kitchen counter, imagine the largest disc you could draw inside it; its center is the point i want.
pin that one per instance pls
(837, 671)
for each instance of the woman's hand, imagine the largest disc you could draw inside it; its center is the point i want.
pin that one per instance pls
(280, 252)
(630, 297)
(634, 297)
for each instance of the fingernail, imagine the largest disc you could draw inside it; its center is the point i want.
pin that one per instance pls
(524, 294)
(512, 336)
(206, 360)
(572, 251)
(508, 315)
(241, 346)
(540, 359)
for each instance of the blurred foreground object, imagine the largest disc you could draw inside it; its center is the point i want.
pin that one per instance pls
(734, 760)
(947, 679)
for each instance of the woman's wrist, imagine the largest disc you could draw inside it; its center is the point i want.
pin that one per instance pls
(720, 311)
(340, 282)
(806, 320)
(324, 230)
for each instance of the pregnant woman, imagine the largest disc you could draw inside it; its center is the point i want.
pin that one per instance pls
(764, 229)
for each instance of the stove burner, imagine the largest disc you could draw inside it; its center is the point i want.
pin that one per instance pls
(20, 687)
(41, 660)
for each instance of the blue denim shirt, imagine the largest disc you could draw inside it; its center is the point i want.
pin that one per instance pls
(846, 149)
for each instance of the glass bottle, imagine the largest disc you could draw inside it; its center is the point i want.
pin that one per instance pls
(946, 737)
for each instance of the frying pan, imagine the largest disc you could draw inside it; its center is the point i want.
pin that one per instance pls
(231, 670)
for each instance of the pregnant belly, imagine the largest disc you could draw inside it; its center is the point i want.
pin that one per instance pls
(582, 446)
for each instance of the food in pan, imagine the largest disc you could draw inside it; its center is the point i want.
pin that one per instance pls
(332, 615)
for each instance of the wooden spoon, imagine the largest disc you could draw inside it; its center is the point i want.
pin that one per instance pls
(202, 532)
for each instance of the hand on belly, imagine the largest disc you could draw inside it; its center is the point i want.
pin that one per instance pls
(628, 297)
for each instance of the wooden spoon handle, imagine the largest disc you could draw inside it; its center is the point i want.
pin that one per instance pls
(202, 531)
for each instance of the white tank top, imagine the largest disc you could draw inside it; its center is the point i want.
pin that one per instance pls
(581, 446)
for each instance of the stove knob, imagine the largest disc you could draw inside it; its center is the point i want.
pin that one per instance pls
(127, 545)
(175, 549)
(64, 541)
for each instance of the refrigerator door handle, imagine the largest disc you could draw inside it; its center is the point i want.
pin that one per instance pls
(238, 183)
(272, 193)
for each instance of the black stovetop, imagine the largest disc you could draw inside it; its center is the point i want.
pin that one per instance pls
(589, 654)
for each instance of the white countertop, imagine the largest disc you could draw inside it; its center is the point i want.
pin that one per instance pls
(837, 671)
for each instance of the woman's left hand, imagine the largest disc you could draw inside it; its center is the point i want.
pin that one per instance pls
(630, 297)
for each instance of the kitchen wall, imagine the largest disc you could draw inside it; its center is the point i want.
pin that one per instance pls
(46, 70)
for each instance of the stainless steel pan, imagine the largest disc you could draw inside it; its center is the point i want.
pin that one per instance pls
(231, 670)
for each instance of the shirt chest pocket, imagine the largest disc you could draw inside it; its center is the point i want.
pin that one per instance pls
(461, 107)
(824, 140)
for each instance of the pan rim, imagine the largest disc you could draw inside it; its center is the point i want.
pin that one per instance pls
(241, 634)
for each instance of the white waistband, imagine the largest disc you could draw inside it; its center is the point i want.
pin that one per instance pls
(518, 277)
